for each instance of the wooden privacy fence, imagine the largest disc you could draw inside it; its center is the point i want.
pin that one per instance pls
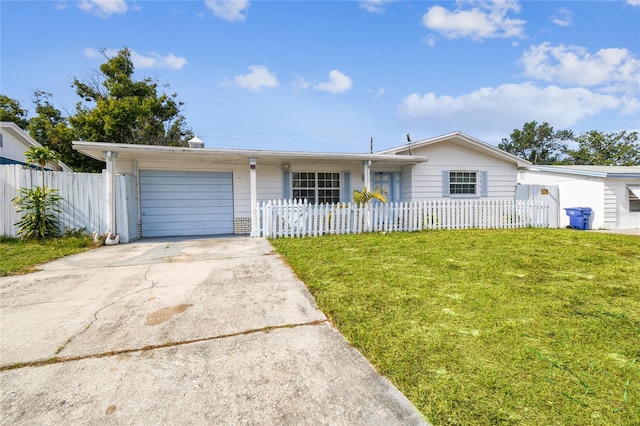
(83, 204)
(285, 218)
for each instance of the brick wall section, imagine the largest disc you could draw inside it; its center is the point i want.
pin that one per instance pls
(242, 225)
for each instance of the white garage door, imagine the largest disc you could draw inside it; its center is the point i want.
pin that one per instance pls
(176, 203)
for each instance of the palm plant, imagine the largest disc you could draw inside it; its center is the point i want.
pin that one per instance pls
(41, 155)
(363, 199)
(40, 203)
(365, 196)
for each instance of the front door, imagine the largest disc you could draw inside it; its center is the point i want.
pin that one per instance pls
(390, 183)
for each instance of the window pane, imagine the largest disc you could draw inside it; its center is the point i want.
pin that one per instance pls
(321, 187)
(464, 183)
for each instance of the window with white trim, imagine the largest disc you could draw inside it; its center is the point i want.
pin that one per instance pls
(316, 187)
(463, 183)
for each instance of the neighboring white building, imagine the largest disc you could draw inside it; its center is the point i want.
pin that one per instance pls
(612, 192)
(14, 142)
(203, 191)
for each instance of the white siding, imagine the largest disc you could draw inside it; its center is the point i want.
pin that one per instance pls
(610, 208)
(426, 178)
(618, 190)
(11, 148)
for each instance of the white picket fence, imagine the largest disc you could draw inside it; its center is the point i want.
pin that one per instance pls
(83, 203)
(286, 218)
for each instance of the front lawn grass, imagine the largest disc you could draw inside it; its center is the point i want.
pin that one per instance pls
(489, 327)
(20, 256)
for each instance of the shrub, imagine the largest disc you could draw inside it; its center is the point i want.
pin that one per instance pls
(40, 220)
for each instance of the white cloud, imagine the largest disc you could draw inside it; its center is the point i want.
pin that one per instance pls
(430, 41)
(563, 17)
(229, 10)
(258, 78)
(300, 83)
(153, 60)
(615, 68)
(375, 6)
(104, 8)
(486, 19)
(633, 2)
(91, 52)
(338, 83)
(490, 108)
(376, 93)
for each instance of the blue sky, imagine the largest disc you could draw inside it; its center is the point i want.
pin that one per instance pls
(329, 75)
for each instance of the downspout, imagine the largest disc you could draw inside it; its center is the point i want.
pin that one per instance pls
(255, 226)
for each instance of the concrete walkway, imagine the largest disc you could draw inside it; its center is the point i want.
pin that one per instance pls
(209, 331)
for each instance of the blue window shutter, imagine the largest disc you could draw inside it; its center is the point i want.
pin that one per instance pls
(286, 185)
(484, 184)
(346, 187)
(445, 183)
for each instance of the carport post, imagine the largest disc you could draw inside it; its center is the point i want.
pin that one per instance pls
(367, 174)
(110, 157)
(255, 228)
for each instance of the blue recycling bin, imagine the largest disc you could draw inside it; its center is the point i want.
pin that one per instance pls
(579, 217)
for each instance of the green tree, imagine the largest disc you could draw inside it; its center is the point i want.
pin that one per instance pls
(605, 149)
(51, 129)
(10, 110)
(119, 109)
(40, 203)
(537, 143)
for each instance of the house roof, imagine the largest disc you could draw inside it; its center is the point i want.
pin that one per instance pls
(595, 171)
(463, 139)
(97, 150)
(23, 137)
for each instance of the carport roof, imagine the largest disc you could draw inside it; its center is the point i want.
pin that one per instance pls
(595, 171)
(98, 150)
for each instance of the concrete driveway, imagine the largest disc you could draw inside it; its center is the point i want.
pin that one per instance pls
(209, 331)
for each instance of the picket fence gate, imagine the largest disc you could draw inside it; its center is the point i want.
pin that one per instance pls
(294, 218)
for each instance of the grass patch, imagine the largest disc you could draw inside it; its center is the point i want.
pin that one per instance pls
(21, 257)
(530, 326)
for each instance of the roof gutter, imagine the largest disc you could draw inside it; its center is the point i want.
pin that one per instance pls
(578, 172)
(97, 150)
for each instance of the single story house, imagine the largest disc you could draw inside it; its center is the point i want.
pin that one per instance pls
(14, 142)
(193, 191)
(612, 192)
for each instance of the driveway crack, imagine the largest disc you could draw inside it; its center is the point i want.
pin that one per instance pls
(95, 314)
(58, 360)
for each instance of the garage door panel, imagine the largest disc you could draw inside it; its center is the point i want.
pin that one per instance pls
(187, 195)
(188, 188)
(203, 224)
(162, 204)
(191, 232)
(180, 203)
(162, 215)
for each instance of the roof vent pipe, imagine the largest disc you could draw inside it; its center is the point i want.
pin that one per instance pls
(196, 142)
